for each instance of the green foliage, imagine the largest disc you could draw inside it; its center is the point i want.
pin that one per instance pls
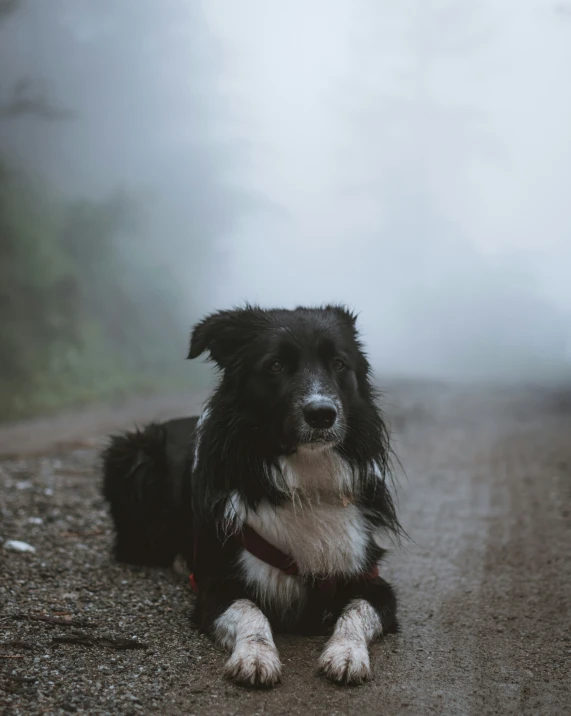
(84, 313)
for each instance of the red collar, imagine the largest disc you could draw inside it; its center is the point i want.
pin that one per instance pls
(255, 544)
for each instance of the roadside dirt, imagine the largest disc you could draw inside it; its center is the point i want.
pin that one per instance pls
(484, 582)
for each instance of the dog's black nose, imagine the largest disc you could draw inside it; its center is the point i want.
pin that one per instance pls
(320, 414)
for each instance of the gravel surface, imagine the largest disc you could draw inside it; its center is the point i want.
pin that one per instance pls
(484, 582)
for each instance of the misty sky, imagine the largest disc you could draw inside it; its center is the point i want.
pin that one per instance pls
(410, 159)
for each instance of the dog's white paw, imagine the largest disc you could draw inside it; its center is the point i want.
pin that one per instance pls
(345, 661)
(254, 662)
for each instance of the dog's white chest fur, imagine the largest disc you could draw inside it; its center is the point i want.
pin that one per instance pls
(323, 537)
(317, 527)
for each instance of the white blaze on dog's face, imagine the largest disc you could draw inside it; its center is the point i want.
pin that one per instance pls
(319, 411)
(299, 376)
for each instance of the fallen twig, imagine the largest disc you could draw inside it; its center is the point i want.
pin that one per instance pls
(14, 684)
(105, 641)
(11, 656)
(74, 471)
(20, 679)
(56, 621)
(17, 644)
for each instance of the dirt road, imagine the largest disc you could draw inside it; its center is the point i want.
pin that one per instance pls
(484, 583)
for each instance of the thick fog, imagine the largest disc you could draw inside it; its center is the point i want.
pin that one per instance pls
(410, 159)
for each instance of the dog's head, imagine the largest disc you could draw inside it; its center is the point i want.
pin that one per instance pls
(298, 375)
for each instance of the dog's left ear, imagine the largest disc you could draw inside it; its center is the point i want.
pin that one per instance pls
(222, 334)
(344, 314)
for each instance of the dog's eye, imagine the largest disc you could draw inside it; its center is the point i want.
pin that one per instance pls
(275, 367)
(338, 365)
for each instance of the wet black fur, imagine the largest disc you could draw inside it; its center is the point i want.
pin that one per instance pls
(146, 482)
(162, 505)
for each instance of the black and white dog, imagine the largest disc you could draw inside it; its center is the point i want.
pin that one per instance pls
(277, 496)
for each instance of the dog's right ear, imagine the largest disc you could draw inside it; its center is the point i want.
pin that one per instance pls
(204, 335)
(222, 334)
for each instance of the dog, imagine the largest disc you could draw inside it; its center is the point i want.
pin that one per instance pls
(278, 496)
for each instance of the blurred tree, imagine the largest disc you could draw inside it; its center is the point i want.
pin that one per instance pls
(75, 306)
(7, 6)
(90, 302)
(27, 98)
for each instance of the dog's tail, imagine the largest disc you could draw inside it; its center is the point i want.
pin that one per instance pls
(142, 483)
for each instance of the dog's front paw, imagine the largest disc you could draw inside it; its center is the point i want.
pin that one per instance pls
(254, 662)
(345, 661)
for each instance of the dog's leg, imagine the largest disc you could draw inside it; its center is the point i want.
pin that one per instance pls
(246, 632)
(345, 658)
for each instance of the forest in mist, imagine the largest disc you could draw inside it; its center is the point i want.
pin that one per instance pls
(163, 159)
(93, 305)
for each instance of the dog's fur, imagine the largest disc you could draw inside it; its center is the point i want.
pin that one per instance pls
(292, 444)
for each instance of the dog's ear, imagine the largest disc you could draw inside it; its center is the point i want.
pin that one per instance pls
(344, 314)
(222, 334)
